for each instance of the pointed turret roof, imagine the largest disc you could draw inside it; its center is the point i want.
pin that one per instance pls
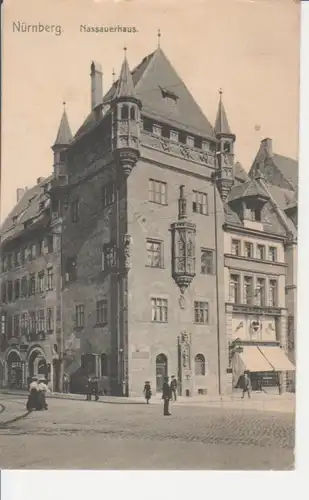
(125, 85)
(64, 135)
(222, 124)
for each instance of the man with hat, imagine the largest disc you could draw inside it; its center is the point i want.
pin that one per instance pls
(166, 396)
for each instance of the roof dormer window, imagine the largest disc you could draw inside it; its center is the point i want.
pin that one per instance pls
(205, 146)
(190, 141)
(169, 97)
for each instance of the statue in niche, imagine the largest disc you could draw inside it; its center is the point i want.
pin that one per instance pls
(186, 356)
(127, 253)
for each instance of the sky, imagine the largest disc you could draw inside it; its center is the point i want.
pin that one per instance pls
(249, 48)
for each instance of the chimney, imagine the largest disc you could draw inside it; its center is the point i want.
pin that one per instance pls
(19, 194)
(267, 146)
(96, 85)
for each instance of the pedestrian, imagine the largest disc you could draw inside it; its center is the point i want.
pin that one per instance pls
(246, 386)
(42, 391)
(279, 385)
(166, 396)
(88, 388)
(95, 388)
(147, 391)
(65, 383)
(174, 388)
(32, 402)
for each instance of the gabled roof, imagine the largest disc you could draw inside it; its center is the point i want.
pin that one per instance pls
(222, 124)
(248, 189)
(288, 167)
(64, 135)
(152, 78)
(30, 206)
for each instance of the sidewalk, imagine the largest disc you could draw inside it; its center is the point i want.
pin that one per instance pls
(258, 401)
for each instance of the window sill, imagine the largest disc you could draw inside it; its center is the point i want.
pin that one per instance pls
(158, 203)
(101, 325)
(200, 324)
(160, 322)
(208, 274)
(155, 267)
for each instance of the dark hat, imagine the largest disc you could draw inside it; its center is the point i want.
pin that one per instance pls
(166, 379)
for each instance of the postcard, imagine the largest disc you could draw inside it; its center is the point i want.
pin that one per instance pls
(149, 215)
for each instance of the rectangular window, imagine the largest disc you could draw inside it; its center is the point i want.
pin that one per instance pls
(17, 259)
(154, 253)
(236, 247)
(23, 255)
(79, 316)
(3, 292)
(101, 309)
(16, 325)
(50, 319)
(273, 293)
(205, 146)
(108, 194)
(255, 214)
(201, 313)
(200, 203)
(10, 291)
(190, 141)
(32, 323)
(24, 324)
(4, 324)
(272, 254)
(207, 261)
(49, 243)
(32, 251)
(9, 261)
(24, 287)
(157, 192)
(75, 211)
(159, 310)
(41, 247)
(248, 290)
(110, 256)
(41, 282)
(50, 278)
(41, 321)
(174, 136)
(235, 288)
(260, 252)
(32, 284)
(71, 269)
(157, 130)
(248, 250)
(260, 292)
(17, 289)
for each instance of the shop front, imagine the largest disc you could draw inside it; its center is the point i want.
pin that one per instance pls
(266, 363)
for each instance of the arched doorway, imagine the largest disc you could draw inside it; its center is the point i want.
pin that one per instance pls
(161, 371)
(37, 364)
(15, 370)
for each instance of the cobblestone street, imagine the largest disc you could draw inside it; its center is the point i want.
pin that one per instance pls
(82, 435)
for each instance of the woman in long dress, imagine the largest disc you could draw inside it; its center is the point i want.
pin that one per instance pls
(32, 402)
(42, 390)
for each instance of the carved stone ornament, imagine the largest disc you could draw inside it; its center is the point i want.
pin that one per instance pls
(164, 145)
(204, 157)
(186, 153)
(182, 302)
(127, 251)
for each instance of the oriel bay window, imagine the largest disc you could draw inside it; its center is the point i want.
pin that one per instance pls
(41, 321)
(50, 319)
(154, 253)
(159, 310)
(235, 288)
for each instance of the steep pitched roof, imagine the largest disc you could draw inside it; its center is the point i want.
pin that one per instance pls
(153, 79)
(222, 124)
(239, 173)
(288, 167)
(64, 135)
(30, 206)
(125, 85)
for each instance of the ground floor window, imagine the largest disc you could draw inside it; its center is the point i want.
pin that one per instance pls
(199, 362)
